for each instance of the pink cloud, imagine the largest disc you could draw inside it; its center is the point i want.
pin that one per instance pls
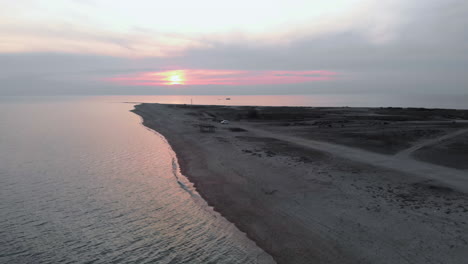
(222, 77)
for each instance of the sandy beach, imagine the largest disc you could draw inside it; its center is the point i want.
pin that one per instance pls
(330, 185)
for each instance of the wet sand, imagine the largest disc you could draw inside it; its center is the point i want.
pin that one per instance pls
(328, 185)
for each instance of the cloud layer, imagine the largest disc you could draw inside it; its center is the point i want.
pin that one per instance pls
(390, 47)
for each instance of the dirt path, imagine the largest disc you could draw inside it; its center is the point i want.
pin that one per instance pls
(407, 152)
(456, 179)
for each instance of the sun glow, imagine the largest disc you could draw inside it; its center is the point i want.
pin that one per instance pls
(223, 77)
(176, 77)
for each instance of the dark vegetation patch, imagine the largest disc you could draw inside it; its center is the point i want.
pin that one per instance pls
(428, 185)
(258, 139)
(312, 113)
(425, 195)
(450, 153)
(388, 140)
(269, 192)
(425, 113)
(237, 129)
(271, 147)
(222, 139)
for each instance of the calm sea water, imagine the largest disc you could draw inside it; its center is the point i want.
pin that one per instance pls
(82, 181)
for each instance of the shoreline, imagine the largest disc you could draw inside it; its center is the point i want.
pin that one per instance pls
(184, 159)
(314, 209)
(179, 149)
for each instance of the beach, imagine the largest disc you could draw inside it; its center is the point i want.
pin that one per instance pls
(329, 185)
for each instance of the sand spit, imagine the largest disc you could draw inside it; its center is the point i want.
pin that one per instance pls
(329, 185)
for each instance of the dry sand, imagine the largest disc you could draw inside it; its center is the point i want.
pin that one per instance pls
(321, 197)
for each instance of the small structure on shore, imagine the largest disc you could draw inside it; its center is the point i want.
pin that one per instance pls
(207, 128)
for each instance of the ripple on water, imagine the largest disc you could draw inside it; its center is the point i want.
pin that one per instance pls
(86, 183)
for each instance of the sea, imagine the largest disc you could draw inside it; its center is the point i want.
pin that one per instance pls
(83, 181)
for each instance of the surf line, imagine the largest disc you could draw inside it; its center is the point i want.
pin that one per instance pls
(175, 170)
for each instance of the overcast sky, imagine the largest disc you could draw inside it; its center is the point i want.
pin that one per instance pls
(393, 47)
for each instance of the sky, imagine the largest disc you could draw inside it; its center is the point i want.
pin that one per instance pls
(367, 47)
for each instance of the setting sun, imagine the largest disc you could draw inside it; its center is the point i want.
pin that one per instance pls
(175, 77)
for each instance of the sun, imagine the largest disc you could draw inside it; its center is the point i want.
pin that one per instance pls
(175, 77)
